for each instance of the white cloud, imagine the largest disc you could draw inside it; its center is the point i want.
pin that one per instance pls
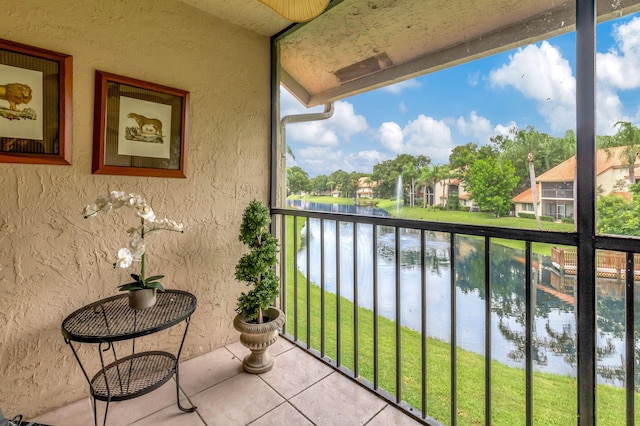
(325, 160)
(476, 127)
(329, 132)
(402, 107)
(363, 161)
(346, 121)
(373, 156)
(312, 133)
(540, 73)
(315, 143)
(636, 117)
(618, 68)
(315, 159)
(390, 135)
(505, 129)
(426, 132)
(610, 110)
(397, 88)
(422, 136)
(311, 153)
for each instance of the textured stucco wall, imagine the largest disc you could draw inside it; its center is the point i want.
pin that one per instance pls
(52, 261)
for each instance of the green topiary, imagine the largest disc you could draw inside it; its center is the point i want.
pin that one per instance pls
(256, 268)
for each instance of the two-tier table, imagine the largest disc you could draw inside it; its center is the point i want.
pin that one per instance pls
(111, 320)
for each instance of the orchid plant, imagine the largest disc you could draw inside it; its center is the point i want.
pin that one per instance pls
(137, 247)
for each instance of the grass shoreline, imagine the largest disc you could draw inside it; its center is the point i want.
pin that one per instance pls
(445, 216)
(554, 396)
(448, 216)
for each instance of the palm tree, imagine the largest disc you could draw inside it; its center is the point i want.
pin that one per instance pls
(532, 177)
(441, 175)
(410, 173)
(428, 178)
(628, 136)
(290, 152)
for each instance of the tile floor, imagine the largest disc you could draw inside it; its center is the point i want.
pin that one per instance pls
(300, 390)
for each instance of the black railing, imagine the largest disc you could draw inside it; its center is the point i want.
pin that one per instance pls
(328, 315)
(564, 194)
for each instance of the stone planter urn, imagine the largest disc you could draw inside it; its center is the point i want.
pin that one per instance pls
(258, 338)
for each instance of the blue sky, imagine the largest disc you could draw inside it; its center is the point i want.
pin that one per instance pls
(431, 114)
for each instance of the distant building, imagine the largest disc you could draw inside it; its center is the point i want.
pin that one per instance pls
(365, 187)
(555, 186)
(444, 190)
(448, 188)
(523, 202)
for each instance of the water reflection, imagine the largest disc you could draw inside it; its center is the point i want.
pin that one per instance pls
(554, 324)
(337, 208)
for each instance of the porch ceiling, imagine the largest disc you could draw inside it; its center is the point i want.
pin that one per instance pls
(357, 45)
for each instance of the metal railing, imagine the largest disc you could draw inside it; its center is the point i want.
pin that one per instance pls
(564, 194)
(336, 320)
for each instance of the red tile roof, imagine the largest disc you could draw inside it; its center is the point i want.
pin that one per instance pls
(565, 172)
(525, 197)
(365, 182)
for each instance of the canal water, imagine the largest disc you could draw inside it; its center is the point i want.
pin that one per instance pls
(554, 338)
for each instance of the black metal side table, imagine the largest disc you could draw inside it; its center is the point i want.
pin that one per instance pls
(111, 320)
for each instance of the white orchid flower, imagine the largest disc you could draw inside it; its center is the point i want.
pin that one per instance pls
(146, 213)
(138, 245)
(90, 210)
(170, 225)
(125, 259)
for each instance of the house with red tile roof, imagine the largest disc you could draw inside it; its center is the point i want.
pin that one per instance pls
(555, 196)
(449, 188)
(443, 192)
(365, 187)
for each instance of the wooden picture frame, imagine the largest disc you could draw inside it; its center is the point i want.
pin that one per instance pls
(139, 128)
(35, 105)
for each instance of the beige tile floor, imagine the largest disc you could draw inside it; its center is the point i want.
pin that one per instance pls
(300, 390)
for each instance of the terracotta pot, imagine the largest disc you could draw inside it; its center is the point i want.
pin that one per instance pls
(142, 299)
(258, 338)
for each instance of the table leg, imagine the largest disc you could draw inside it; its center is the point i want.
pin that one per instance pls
(185, 409)
(193, 407)
(106, 382)
(95, 411)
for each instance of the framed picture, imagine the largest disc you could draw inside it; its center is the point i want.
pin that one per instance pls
(139, 128)
(35, 105)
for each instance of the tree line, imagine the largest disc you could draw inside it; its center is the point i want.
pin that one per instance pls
(492, 174)
(298, 181)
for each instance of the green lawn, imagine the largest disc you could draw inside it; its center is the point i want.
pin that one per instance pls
(555, 397)
(434, 215)
(475, 218)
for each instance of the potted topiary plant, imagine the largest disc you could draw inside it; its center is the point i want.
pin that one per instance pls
(257, 321)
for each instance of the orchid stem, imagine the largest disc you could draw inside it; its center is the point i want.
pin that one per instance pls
(142, 280)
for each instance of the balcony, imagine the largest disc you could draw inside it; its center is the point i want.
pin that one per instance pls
(53, 261)
(344, 349)
(455, 324)
(558, 194)
(300, 390)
